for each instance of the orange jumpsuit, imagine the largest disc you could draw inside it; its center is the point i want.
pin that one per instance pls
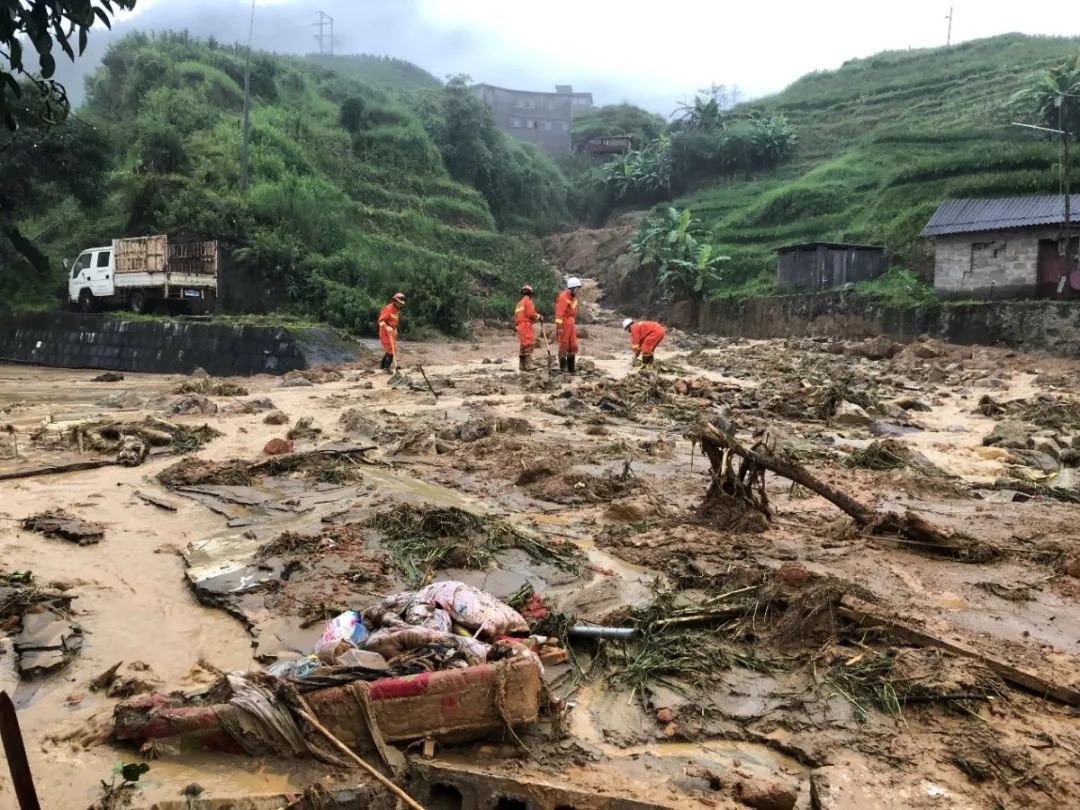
(525, 315)
(388, 319)
(565, 328)
(645, 336)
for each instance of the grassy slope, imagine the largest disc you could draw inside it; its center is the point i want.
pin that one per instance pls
(882, 141)
(363, 216)
(379, 71)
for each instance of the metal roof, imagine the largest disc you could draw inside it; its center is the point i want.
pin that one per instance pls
(974, 215)
(830, 245)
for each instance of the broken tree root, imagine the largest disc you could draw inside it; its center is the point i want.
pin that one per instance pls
(746, 485)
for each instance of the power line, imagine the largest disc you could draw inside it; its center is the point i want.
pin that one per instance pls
(948, 36)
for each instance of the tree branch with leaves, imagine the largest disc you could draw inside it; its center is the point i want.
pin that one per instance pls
(44, 24)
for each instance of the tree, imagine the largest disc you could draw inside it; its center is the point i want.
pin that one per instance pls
(45, 23)
(1055, 99)
(41, 162)
(673, 241)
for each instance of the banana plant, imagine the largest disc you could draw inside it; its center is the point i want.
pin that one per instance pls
(687, 267)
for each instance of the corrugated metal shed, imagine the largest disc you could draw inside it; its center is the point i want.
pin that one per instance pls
(975, 215)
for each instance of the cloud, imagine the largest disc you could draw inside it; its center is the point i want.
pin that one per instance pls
(648, 53)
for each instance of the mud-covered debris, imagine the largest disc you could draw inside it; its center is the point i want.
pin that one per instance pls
(107, 437)
(193, 471)
(48, 642)
(276, 418)
(120, 400)
(484, 426)
(295, 382)
(889, 454)
(188, 404)
(305, 428)
(417, 443)
(421, 541)
(927, 350)
(108, 377)
(209, 387)
(133, 451)
(255, 405)
(829, 398)
(550, 482)
(312, 463)
(316, 375)
(58, 523)
(911, 404)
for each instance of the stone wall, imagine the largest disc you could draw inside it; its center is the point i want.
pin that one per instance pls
(1036, 325)
(977, 265)
(69, 340)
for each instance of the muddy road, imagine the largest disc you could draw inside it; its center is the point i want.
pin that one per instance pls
(784, 655)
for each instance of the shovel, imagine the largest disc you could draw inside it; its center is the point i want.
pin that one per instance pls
(547, 346)
(396, 377)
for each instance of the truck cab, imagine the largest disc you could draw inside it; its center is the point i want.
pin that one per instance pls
(91, 278)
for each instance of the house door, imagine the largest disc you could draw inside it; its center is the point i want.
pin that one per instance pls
(1051, 268)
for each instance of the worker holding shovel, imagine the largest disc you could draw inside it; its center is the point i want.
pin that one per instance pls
(525, 315)
(388, 328)
(645, 336)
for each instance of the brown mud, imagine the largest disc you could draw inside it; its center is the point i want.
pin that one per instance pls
(750, 675)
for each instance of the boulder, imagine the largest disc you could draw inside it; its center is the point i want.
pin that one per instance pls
(1046, 444)
(276, 447)
(848, 413)
(1070, 457)
(763, 795)
(1008, 434)
(879, 348)
(276, 418)
(925, 351)
(1034, 459)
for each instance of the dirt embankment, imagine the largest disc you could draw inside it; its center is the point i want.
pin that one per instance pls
(602, 254)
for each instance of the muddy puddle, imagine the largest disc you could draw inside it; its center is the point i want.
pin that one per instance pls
(749, 667)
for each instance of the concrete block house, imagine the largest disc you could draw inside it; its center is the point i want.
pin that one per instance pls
(544, 119)
(1012, 247)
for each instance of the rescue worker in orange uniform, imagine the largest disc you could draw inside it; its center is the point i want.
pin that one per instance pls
(525, 315)
(645, 336)
(388, 329)
(565, 324)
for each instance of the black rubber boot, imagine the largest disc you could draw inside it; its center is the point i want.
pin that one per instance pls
(562, 363)
(571, 361)
(523, 362)
(647, 362)
(386, 362)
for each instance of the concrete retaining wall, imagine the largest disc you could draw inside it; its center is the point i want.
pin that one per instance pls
(70, 340)
(1049, 326)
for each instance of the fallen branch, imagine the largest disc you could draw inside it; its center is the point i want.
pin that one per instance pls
(870, 616)
(719, 445)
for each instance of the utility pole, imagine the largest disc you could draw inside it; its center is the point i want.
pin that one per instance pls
(244, 148)
(322, 21)
(948, 36)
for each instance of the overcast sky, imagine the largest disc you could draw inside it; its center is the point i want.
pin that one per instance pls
(653, 54)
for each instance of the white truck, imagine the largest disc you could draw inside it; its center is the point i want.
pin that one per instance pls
(145, 272)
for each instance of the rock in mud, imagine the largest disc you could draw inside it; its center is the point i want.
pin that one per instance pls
(58, 523)
(1070, 457)
(925, 351)
(535, 472)
(1045, 444)
(108, 376)
(879, 348)
(1035, 459)
(1072, 566)
(48, 642)
(278, 446)
(1012, 435)
(355, 421)
(305, 428)
(257, 405)
(295, 382)
(119, 400)
(911, 404)
(626, 511)
(848, 413)
(276, 418)
(766, 795)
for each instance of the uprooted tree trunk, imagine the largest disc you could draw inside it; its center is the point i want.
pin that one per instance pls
(738, 488)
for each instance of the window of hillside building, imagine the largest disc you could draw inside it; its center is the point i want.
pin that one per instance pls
(547, 125)
(516, 123)
(519, 102)
(565, 126)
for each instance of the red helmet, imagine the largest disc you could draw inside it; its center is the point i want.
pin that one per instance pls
(526, 289)
(399, 297)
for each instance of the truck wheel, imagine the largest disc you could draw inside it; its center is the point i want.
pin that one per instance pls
(86, 301)
(137, 301)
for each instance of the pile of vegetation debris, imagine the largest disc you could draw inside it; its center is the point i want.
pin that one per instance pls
(107, 437)
(423, 540)
(333, 464)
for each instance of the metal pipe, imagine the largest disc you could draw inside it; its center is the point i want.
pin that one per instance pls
(612, 633)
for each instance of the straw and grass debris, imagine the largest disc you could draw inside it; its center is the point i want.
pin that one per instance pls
(423, 540)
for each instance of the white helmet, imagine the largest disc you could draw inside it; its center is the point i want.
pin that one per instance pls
(573, 282)
(627, 323)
